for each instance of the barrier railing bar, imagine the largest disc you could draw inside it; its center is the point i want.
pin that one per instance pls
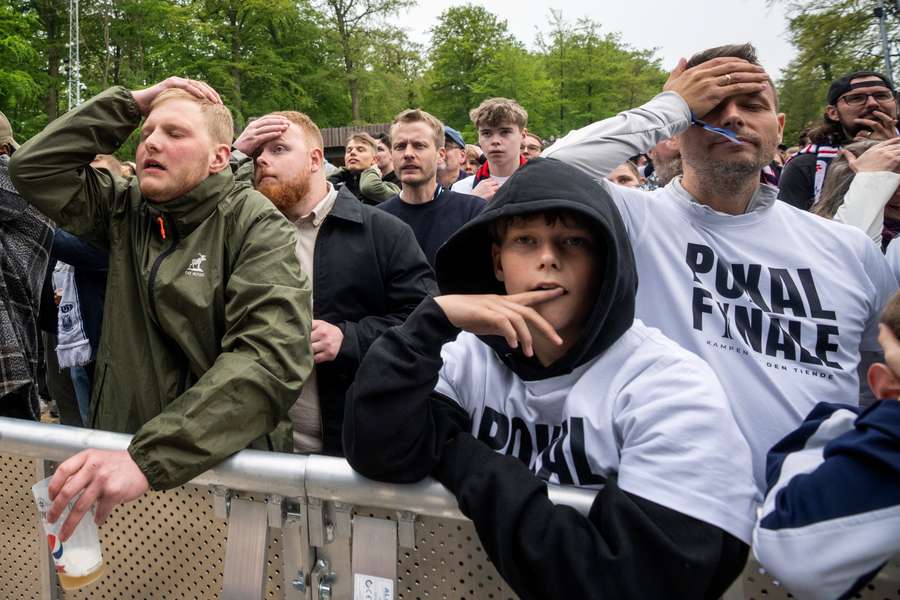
(289, 475)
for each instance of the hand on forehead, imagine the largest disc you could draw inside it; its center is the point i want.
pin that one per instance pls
(709, 83)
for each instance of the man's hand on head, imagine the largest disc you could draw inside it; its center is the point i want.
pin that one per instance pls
(486, 189)
(511, 317)
(326, 341)
(107, 477)
(260, 132)
(704, 86)
(144, 98)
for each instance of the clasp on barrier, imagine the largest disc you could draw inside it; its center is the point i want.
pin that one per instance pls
(406, 528)
(275, 510)
(221, 500)
(343, 514)
(316, 522)
(323, 580)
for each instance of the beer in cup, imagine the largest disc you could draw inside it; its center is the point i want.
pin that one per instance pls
(78, 560)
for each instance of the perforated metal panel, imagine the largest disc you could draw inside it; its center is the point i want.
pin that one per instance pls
(164, 545)
(20, 575)
(447, 563)
(171, 545)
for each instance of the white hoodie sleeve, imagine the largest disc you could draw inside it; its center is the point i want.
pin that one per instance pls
(600, 147)
(865, 200)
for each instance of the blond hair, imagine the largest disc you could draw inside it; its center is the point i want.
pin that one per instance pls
(363, 137)
(219, 122)
(416, 115)
(307, 126)
(494, 112)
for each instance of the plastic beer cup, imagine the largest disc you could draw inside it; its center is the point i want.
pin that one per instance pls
(78, 560)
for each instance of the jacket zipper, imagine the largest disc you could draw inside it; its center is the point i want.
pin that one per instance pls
(151, 283)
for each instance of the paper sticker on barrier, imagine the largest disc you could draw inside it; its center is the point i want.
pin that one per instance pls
(369, 587)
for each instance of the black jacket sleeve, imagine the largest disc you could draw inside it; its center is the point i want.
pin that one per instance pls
(407, 278)
(395, 424)
(627, 547)
(796, 186)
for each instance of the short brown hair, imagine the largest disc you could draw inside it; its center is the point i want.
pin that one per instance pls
(306, 125)
(890, 316)
(498, 227)
(417, 115)
(219, 122)
(494, 112)
(365, 138)
(744, 51)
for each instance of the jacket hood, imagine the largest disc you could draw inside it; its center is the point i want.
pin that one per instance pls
(464, 264)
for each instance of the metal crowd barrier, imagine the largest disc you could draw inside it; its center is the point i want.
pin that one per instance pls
(274, 526)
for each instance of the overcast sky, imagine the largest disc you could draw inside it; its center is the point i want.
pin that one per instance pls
(677, 27)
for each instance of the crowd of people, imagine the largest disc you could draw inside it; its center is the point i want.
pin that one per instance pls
(668, 306)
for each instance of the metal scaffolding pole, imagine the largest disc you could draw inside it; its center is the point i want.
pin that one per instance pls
(73, 89)
(881, 13)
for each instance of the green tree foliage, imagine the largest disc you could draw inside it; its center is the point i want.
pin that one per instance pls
(593, 76)
(340, 61)
(20, 76)
(832, 37)
(576, 76)
(355, 31)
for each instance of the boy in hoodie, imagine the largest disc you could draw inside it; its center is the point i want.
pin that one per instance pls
(531, 369)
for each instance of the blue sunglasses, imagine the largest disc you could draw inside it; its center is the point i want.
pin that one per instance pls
(732, 136)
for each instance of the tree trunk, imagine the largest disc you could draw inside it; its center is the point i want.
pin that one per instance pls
(50, 17)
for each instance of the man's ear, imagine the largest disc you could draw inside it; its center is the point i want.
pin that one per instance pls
(495, 257)
(442, 153)
(883, 383)
(316, 160)
(831, 112)
(780, 118)
(220, 158)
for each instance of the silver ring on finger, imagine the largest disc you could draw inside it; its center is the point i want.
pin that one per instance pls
(728, 78)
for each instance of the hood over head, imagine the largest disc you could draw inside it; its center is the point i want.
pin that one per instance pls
(464, 264)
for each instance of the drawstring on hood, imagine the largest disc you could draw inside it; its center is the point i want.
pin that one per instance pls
(464, 264)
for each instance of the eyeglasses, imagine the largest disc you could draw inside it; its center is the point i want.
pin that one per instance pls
(860, 99)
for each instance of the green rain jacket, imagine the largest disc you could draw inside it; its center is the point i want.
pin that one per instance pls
(205, 341)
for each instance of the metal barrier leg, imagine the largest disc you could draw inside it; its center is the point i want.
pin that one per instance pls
(297, 556)
(330, 578)
(245, 550)
(374, 558)
(49, 588)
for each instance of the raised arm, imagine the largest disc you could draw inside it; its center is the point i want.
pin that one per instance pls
(52, 170)
(600, 147)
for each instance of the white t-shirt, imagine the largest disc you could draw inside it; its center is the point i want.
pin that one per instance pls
(465, 186)
(814, 290)
(645, 409)
(893, 258)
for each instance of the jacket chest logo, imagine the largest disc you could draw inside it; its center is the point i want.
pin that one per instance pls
(195, 269)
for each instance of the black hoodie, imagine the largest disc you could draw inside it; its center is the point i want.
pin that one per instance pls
(464, 264)
(398, 429)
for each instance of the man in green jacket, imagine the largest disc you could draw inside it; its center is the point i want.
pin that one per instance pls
(205, 340)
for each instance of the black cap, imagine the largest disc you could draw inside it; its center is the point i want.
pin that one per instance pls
(841, 86)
